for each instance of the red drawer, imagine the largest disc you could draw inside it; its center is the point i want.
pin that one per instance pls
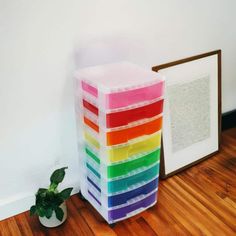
(125, 117)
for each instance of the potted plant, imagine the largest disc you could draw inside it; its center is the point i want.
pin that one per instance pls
(50, 204)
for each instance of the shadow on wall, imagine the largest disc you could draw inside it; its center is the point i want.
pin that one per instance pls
(108, 50)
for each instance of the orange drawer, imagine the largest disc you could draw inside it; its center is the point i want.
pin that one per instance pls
(120, 136)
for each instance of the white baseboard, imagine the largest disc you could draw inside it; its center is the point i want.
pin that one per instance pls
(21, 203)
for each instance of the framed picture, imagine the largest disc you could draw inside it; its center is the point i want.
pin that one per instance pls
(192, 111)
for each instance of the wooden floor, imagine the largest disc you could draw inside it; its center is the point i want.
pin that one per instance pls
(198, 201)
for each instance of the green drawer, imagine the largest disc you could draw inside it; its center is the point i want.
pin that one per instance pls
(124, 168)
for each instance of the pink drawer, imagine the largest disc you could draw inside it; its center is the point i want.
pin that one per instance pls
(125, 98)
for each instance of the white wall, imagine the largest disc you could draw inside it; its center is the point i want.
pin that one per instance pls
(42, 42)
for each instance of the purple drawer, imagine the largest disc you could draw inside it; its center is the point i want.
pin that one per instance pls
(124, 211)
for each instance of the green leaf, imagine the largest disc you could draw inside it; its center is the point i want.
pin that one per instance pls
(48, 212)
(57, 201)
(50, 195)
(59, 213)
(58, 175)
(33, 210)
(42, 191)
(40, 198)
(65, 193)
(41, 211)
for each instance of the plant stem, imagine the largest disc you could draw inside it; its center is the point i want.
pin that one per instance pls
(53, 187)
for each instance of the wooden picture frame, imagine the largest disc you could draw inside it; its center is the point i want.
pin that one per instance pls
(196, 81)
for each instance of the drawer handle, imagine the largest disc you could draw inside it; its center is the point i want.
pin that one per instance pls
(135, 199)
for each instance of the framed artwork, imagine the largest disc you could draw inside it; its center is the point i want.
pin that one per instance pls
(192, 111)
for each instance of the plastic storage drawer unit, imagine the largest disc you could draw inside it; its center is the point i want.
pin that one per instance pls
(119, 112)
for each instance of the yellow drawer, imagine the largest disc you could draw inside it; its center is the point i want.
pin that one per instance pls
(124, 152)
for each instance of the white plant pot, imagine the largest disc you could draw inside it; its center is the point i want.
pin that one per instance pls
(53, 221)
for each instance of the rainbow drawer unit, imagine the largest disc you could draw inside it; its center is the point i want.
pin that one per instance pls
(119, 111)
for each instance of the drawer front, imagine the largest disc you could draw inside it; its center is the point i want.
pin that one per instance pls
(132, 209)
(125, 168)
(134, 165)
(146, 145)
(124, 135)
(132, 195)
(130, 97)
(126, 198)
(129, 182)
(125, 152)
(126, 183)
(126, 98)
(122, 118)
